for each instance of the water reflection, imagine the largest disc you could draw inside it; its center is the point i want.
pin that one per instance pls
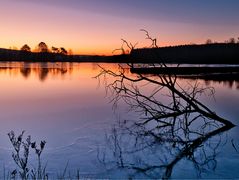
(170, 125)
(41, 70)
(143, 153)
(228, 80)
(71, 113)
(46, 70)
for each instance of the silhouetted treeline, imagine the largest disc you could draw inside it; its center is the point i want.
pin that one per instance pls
(216, 53)
(19, 55)
(15, 55)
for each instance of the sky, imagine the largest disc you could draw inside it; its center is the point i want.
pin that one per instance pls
(97, 26)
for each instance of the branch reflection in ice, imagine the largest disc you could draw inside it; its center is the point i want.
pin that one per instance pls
(172, 124)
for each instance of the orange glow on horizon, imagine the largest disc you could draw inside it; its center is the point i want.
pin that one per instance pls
(91, 33)
(107, 51)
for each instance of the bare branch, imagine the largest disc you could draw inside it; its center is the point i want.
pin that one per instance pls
(153, 40)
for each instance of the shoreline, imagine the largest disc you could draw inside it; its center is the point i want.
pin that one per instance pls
(218, 53)
(187, 70)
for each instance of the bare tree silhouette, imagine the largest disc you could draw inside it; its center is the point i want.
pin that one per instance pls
(153, 40)
(172, 124)
(181, 101)
(125, 50)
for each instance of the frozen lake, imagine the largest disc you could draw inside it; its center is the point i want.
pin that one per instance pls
(63, 104)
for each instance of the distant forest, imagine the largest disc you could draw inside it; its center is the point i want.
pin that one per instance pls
(213, 53)
(208, 53)
(44, 54)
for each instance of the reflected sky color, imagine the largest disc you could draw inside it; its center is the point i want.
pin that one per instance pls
(96, 27)
(69, 110)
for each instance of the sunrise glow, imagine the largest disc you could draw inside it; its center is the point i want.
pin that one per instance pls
(96, 27)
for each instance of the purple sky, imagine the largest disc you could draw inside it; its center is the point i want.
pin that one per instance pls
(96, 26)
